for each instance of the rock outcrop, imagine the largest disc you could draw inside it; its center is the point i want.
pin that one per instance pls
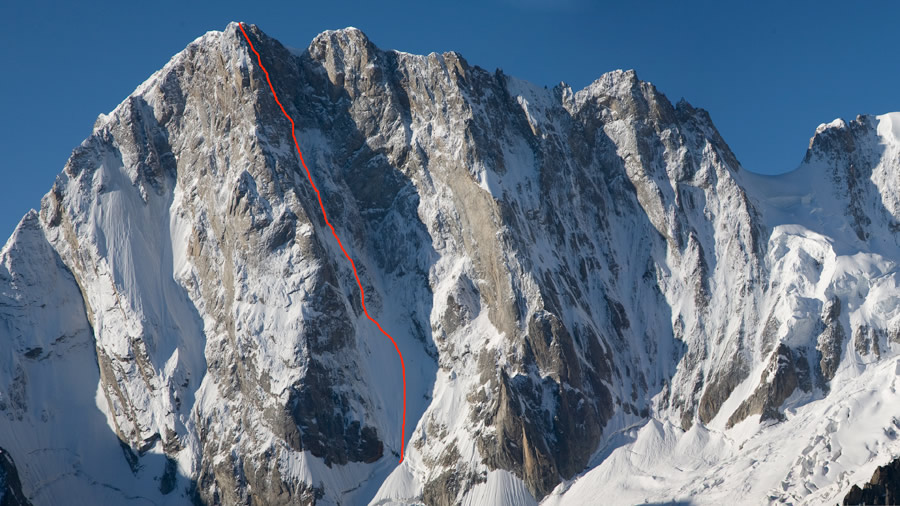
(883, 488)
(10, 487)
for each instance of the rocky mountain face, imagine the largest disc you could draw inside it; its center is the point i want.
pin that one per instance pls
(573, 278)
(883, 488)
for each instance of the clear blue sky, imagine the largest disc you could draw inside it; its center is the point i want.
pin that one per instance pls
(768, 72)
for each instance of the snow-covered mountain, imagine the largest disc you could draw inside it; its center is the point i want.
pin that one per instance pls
(591, 296)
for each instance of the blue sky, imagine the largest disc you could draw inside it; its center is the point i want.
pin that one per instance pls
(768, 72)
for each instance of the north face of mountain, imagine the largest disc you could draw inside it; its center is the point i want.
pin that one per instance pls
(590, 294)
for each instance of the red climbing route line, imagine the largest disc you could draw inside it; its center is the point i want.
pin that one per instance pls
(325, 215)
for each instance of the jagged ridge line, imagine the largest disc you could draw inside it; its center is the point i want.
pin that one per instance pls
(334, 233)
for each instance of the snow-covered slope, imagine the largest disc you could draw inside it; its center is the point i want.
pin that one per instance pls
(590, 294)
(828, 396)
(53, 424)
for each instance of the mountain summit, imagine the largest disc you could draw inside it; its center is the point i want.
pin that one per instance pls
(592, 298)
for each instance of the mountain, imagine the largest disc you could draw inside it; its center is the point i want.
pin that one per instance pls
(592, 298)
(881, 489)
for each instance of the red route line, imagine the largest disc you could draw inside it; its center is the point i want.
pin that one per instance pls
(325, 215)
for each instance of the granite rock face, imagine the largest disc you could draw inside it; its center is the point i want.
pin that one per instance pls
(555, 266)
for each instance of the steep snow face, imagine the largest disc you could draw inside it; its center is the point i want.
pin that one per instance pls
(579, 282)
(53, 424)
